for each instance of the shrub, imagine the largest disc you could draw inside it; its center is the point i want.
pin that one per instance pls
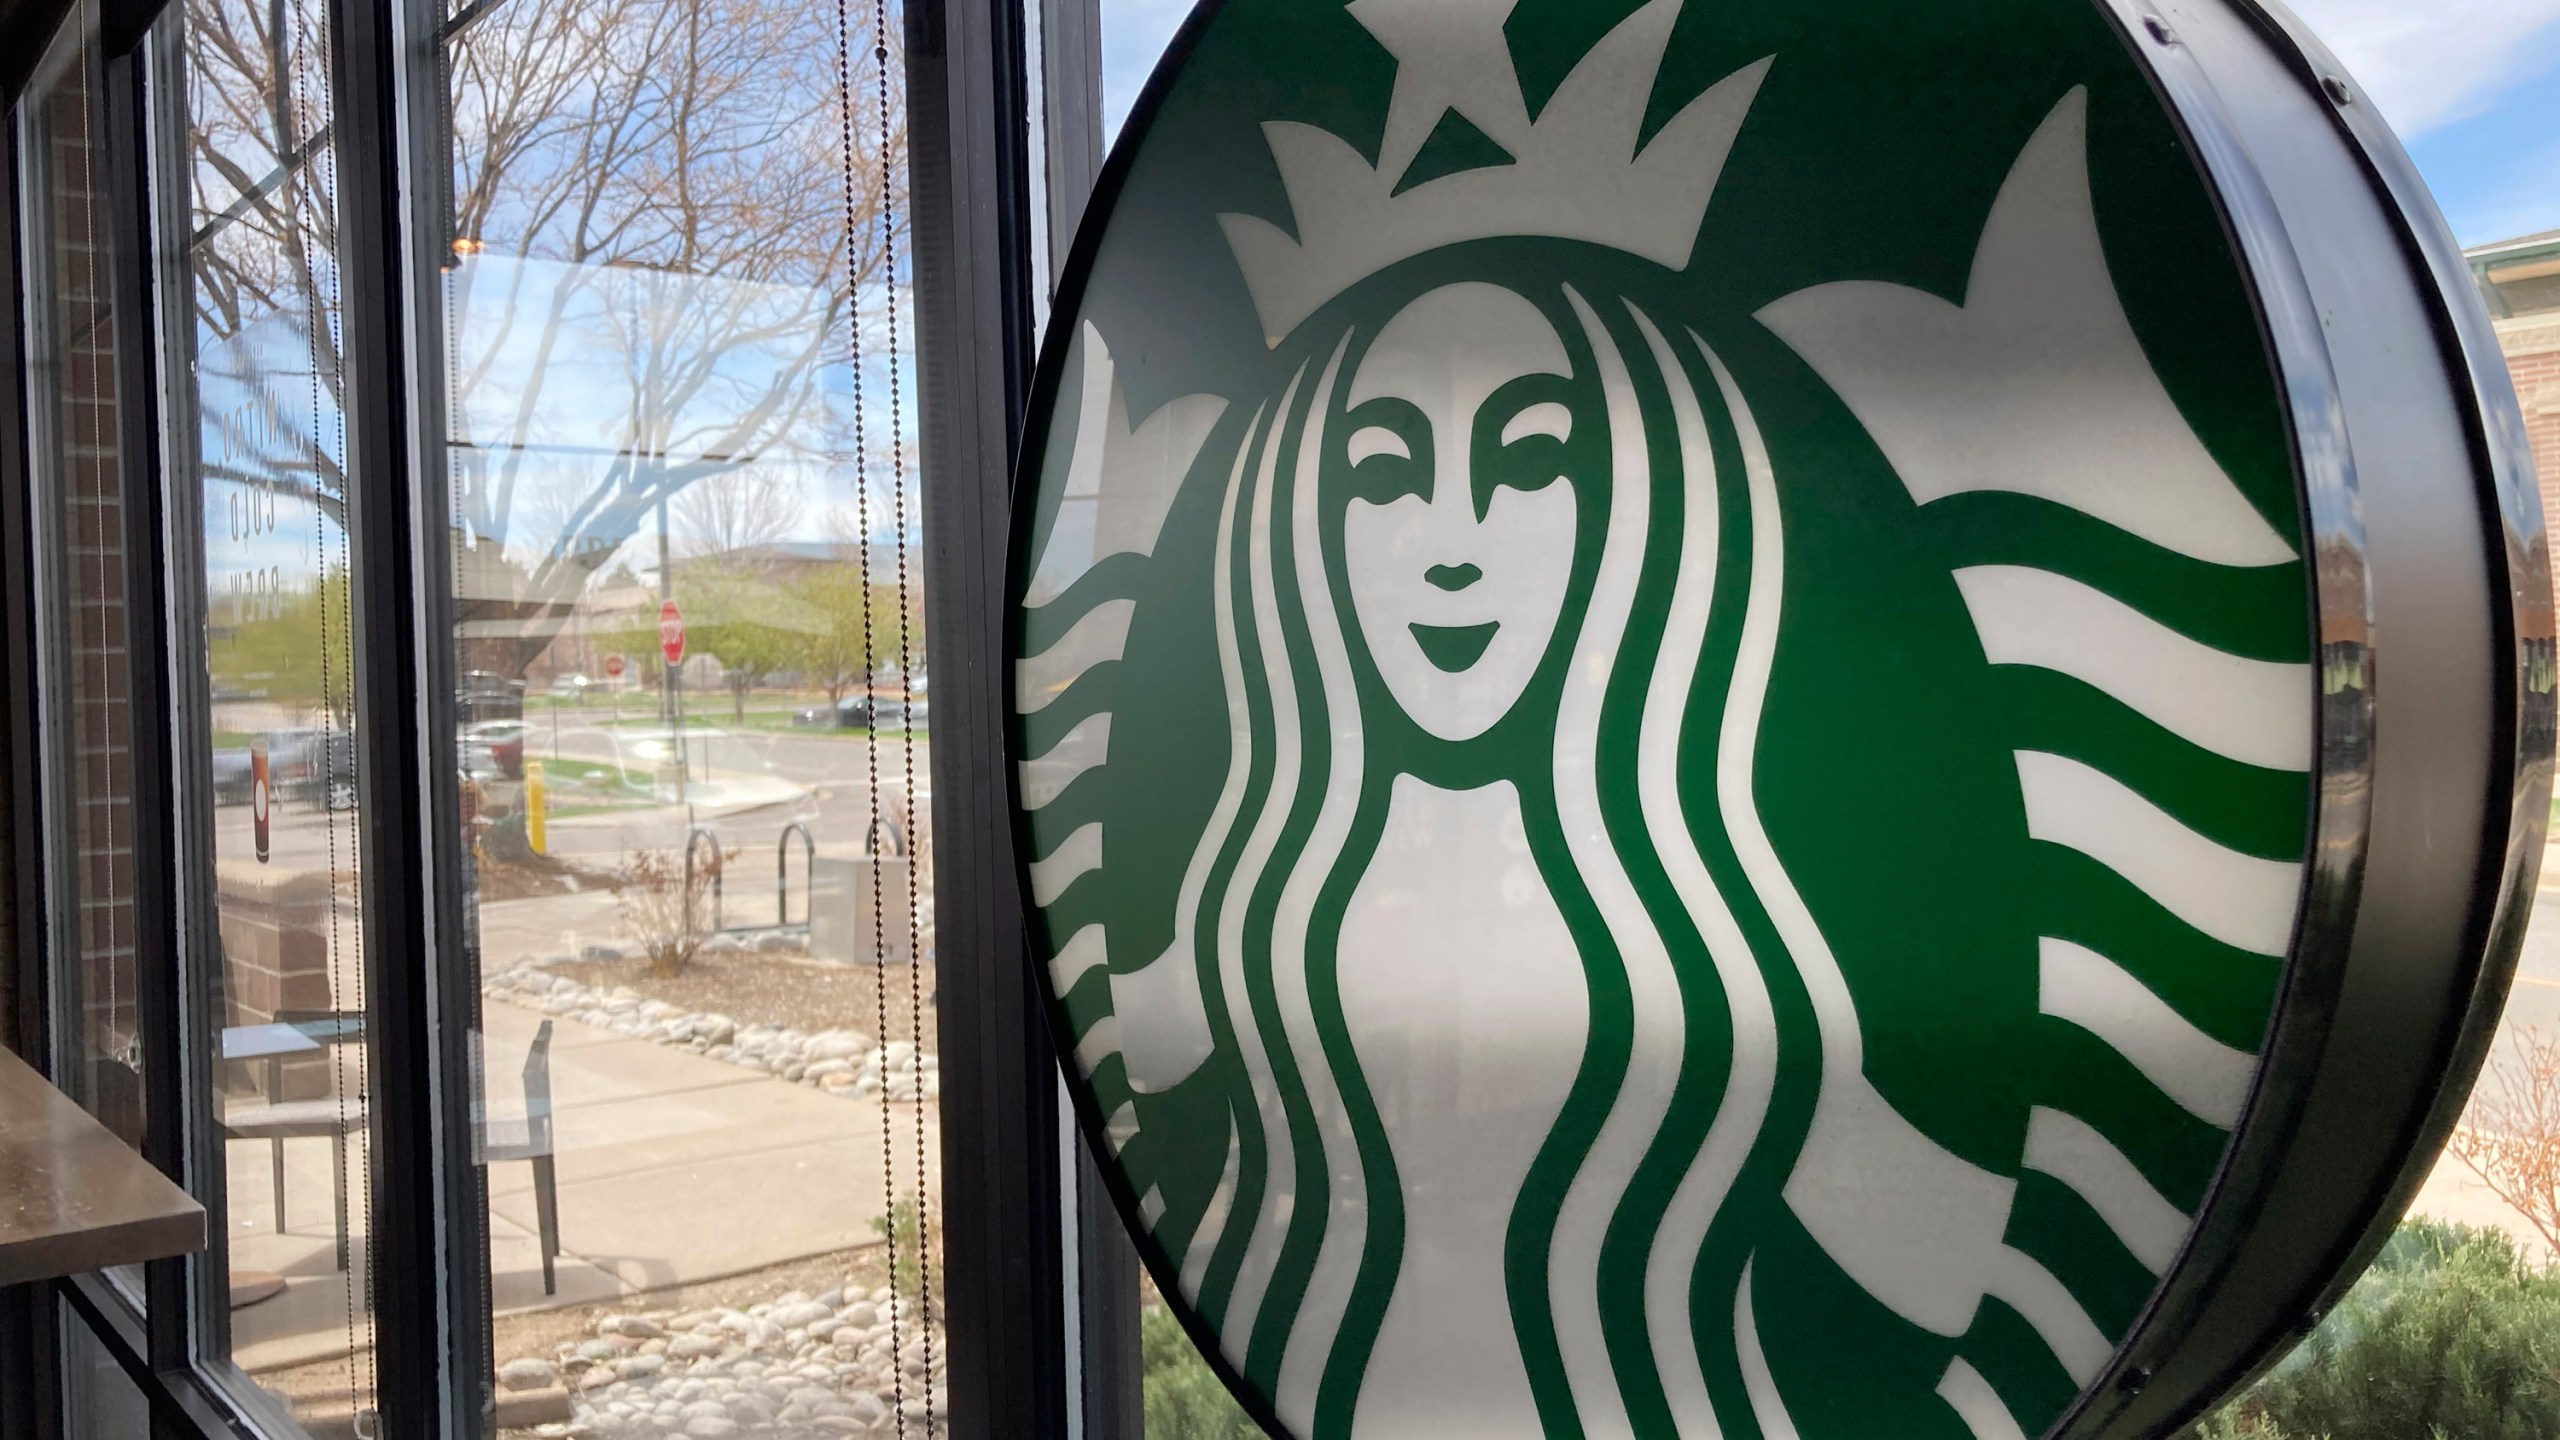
(2451, 1333)
(1185, 1398)
(903, 1228)
(660, 913)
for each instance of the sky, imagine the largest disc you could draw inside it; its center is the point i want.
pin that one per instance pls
(2473, 87)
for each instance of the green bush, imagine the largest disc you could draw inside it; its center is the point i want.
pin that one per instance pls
(2451, 1334)
(1185, 1399)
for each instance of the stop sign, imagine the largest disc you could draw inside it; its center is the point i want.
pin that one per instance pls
(671, 632)
(613, 667)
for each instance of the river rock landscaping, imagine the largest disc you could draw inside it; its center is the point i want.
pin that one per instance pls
(837, 1061)
(850, 1361)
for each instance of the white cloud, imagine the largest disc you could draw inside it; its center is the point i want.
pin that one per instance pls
(2427, 65)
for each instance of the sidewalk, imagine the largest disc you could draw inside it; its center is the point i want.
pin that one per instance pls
(673, 1169)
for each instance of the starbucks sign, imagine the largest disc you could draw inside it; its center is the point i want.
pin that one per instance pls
(1768, 719)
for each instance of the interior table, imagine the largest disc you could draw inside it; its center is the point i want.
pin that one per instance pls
(73, 1197)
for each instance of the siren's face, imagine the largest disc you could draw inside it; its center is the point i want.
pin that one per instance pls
(1459, 540)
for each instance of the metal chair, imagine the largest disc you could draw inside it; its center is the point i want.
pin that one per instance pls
(529, 1139)
(335, 1116)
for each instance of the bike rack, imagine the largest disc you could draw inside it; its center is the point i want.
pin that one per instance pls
(782, 873)
(880, 820)
(692, 844)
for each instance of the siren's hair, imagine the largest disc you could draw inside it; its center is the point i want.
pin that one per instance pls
(1285, 1268)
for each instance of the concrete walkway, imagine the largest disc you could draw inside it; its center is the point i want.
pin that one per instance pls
(673, 1169)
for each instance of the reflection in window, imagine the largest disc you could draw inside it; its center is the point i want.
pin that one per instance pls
(79, 510)
(268, 807)
(692, 713)
(99, 1400)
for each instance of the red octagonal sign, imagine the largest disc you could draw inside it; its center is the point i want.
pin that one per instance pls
(671, 632)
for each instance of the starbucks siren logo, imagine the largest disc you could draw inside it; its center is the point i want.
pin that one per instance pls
(1593, 900)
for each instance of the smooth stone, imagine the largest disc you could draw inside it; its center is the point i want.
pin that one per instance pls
(839, 1045)
(528, 1374)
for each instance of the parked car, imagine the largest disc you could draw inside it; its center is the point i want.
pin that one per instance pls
(312, 767)
(231, 776)
(482, 696)
(853, 712)
(493, 750)
(890, 711)
(572, 687)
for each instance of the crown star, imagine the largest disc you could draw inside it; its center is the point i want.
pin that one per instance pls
(1578, 172)
(1450, 55)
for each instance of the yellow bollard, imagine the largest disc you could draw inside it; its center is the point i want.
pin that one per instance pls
(537, 817)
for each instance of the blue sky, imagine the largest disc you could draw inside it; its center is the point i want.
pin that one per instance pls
(2473, 86)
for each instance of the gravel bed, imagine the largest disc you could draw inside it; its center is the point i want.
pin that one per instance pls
(837, 1061)
(800, 1367)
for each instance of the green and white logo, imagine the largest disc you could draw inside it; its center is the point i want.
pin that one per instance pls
(1665, 709)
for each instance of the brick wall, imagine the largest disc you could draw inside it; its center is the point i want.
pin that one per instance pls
(77, 466)
(2532, 344)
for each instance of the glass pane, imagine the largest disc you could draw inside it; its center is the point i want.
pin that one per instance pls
(691, 709)
(81, 592)
(268, 791)
(1134, 36)
(99, 1401)
(1183, 1397)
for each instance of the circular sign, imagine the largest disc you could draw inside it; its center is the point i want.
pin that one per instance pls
(1768, 720)
(261, 799)
(614, 665)
(671, 632)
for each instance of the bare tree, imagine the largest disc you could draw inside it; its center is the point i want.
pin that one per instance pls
(265, 230)
(728, 516)
(658, 244)
(657, 262)
(2510, 1137)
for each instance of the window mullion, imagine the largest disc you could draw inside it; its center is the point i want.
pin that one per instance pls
(406, 1064)
(969, 134)
(158, 967)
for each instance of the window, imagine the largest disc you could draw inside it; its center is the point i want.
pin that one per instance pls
(690, 709)
(101, 1401)
(75, 342)
(270, 810)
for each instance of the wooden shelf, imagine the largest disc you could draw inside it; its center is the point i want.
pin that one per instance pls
(74, 1198)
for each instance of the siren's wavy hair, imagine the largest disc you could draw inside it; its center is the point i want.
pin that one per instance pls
(1301, 1244)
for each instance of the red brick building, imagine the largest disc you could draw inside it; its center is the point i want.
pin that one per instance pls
(2521, 281)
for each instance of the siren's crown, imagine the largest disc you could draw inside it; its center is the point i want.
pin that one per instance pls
(1576, 171)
